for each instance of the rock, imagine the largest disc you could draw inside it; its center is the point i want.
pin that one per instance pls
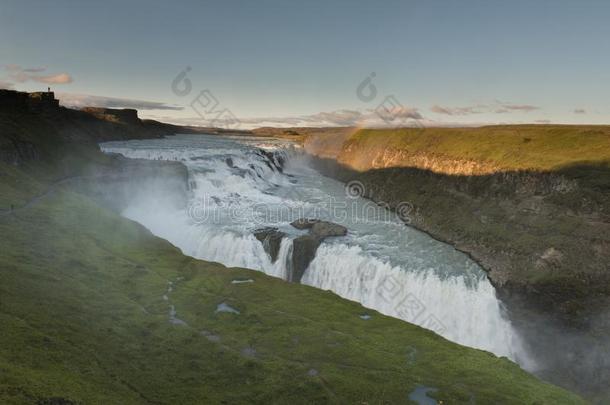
(304, 247)
(323, 229)
(273, 161)
(304, 223)
(271, 239)
(551, 258)
(319, 228)
(230, 163)
(303, 251)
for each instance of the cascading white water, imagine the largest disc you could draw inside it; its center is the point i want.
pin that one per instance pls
(381, 263)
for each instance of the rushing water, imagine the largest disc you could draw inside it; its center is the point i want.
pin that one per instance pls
(381, 263)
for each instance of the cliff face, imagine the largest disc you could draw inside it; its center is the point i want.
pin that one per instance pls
(82, 286)
(541, 233)
(31, 122)
(125, 116)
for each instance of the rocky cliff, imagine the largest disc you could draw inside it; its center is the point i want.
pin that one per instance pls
(25, 117)
(538, 231)
(95, 309)
(534, 213)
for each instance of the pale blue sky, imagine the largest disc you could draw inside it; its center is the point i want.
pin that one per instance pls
(453, 61)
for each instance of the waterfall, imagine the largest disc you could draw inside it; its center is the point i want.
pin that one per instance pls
(242, 184)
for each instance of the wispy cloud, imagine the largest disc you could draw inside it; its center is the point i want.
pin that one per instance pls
(6, 85)
(18, 74)
(505, 107)
(497, 107)
(403, 117)
(455, 110)
(580, 111)
(338, 118)
(85, 100)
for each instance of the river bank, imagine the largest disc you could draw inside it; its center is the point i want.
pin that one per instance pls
(542, 235)
(94, 308)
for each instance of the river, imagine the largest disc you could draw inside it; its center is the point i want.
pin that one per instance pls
(240, 184)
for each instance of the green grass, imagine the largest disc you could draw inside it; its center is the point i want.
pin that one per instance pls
(83, 318)
(514, 147)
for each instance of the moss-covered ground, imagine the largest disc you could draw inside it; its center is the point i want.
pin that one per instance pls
(84, 318)
(87, 301)
(508, 148)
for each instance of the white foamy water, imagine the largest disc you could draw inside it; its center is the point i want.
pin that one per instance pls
(383, 264)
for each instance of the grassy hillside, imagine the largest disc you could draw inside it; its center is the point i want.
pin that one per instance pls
(84, 318)
(531, 204)
(95, 309)
(514, 147)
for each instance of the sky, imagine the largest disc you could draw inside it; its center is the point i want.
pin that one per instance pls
(317, 63)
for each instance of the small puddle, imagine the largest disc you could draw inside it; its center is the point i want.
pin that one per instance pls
(224, 307)
(365, 317)
(210, 336)
(411, 355)
(419, 395)
(248, 352)
(242, 281)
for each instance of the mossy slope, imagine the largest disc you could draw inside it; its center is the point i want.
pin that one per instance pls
(84, 318)
(501, 148)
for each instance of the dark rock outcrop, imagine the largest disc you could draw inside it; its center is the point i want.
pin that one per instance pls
(274, 161)
(38, 102)
(319, 228)
(303, 251)
(304, 247)
(324, 229)
(304, 223)
(124, 115)
(271, 239)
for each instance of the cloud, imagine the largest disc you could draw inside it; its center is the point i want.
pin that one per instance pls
(401, 112)
(6, 85)
(399, 116)
(497, 107)
(21, 75)
(84, 100)
(396, 116)
(61, 78)
(454, 110)
(344, 118)
(34, 70)
(580, 111)
(520, 107)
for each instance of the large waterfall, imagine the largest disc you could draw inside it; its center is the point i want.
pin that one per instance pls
(240, 184)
